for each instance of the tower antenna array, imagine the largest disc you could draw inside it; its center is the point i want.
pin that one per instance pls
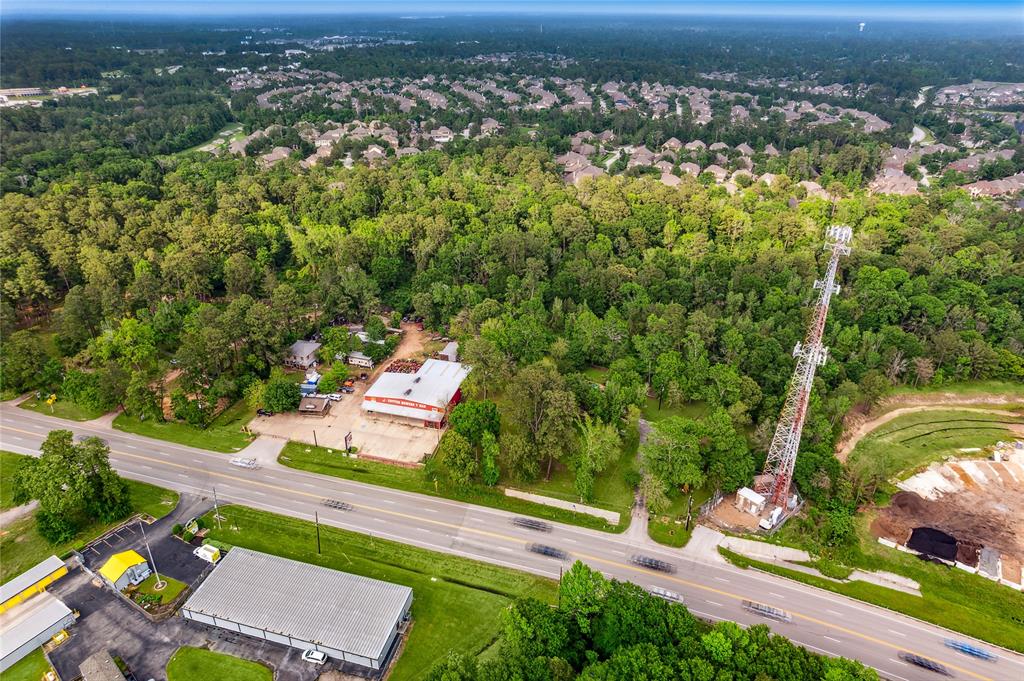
(810, 354)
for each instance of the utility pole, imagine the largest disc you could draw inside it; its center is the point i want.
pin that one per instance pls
(316, 519)
(216, 509)
(778, 467)
(159, 582)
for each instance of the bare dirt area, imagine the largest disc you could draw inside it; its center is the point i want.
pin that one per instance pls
(981, 503)
(375, 436)
(859, 424)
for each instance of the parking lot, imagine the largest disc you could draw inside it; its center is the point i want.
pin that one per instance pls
(172, 556)
(376, 436)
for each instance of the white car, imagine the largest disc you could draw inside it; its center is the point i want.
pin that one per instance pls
(671, 596)
(243, 462)
(209, 553)
(314, 656)
(334, 397)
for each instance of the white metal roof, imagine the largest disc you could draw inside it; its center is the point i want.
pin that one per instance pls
(750, 495)
(308, 602)
(30, 577)
(433, 385)
(25, 621)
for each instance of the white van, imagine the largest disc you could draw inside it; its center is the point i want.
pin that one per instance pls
(209, 553)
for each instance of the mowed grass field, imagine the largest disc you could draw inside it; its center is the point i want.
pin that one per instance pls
(224, 434)
(912, 441)
(199, 664)
(457, 602)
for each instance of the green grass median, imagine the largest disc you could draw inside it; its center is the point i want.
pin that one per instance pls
(199, 664)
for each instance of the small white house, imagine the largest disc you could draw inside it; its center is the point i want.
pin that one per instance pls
(358, 359)
(450, 352)
(749, 501)
(302, 354)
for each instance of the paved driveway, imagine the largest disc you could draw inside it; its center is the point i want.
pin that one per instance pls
(172, 556)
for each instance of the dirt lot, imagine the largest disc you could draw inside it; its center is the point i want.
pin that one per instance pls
(375, 436)
(978, 502)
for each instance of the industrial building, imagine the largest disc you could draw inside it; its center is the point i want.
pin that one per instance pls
(423, 398)
(350, 618)
(31, 615)
(125, 569)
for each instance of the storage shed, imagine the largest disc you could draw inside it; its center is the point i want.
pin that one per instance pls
(29, 625)
(350, 618)
(31, 582)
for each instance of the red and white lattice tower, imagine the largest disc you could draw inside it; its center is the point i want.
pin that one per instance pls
(778, 468)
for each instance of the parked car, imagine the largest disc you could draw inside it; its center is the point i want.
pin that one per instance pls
(545, 550)
(243, 462)
(314, 656)
(532, 524)
(334, 397)
(969, 649)
(924, 663)
(768, 611)
(347, 390)
(652, 564)
(363, 376)
(670, 596)
(209, 553)
(264, 412)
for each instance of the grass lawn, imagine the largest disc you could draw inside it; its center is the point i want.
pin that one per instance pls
(457, 602)
(29, 668)
(64, 409)
(968, 389)
(22, 546)
(321, 460)
(915, 440)
(167, 594)
(663, 528)
(949, 597)
(223, 435)
(199, 664)
(9, 465)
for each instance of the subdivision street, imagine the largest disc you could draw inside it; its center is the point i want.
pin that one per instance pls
(823, 622)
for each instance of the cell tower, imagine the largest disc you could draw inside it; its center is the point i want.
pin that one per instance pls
(778, 468)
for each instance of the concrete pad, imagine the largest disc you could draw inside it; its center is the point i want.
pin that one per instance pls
(610, 516)
(703, 545)
(764, 552)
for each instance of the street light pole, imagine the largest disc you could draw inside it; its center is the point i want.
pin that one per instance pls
(159, 582)
(216, 509)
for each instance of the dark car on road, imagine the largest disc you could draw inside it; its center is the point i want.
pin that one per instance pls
(653, 564)
(532, 524)
(924, 663)
(335, 504)
(545, 550)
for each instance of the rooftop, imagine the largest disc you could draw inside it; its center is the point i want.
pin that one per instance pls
(291, 598)
(30, 577)
(433, 386)
(22, 623)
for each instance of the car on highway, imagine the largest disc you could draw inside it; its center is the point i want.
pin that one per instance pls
(337, 505)
(768, 611)
(532, 524)
(652, 564)
(924, 663)
(969, 649)
(314, 656)
(243, 462)
(545, 550)
(670, 596)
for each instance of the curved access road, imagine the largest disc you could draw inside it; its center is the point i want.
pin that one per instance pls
(822, 621)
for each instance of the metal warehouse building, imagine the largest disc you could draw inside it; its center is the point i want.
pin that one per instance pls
(350, 618)
(425, 397)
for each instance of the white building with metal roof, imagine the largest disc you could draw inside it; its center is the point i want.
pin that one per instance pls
(31, 624)
(351, 618)
(426, 396)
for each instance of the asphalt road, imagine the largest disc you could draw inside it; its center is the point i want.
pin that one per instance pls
(822, 621)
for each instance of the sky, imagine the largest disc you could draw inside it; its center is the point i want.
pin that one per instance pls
(915, 10)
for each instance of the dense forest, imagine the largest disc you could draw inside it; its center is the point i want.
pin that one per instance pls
(606, 630)
(685, 293)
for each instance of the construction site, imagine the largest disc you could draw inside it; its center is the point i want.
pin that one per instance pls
(968, 513)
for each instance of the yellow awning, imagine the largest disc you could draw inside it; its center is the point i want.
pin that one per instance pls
(119, 563)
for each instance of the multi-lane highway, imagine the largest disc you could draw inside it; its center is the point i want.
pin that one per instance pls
(822, 621)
